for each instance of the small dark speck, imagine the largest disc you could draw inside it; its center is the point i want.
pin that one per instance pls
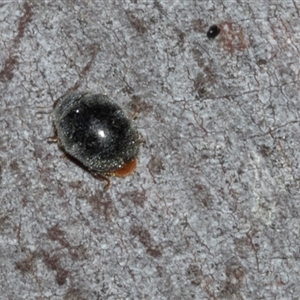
(261, 62)
(213, 31)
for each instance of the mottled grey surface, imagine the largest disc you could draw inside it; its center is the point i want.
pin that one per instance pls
(212, 211)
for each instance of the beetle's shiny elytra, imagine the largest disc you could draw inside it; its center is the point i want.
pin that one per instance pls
(94, 131)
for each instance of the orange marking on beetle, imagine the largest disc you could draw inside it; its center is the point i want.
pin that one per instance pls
(128, 168)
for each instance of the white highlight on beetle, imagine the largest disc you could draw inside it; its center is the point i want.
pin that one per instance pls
(101, 133)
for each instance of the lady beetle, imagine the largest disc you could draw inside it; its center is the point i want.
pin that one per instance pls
(95, 132)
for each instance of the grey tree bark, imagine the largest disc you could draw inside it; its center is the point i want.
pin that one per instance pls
(212, 211)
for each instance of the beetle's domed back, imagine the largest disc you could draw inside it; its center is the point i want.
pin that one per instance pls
(95, 131)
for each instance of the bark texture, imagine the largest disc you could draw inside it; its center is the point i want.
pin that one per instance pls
(212, 211)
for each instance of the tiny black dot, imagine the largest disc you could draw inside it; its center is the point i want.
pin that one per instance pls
(213, 31)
